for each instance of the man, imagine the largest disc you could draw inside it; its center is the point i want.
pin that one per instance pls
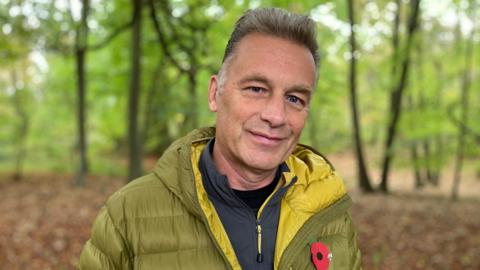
(243, 195)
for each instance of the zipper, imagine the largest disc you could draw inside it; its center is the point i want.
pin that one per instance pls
(259, 258)
(258, 224)
(259, 243)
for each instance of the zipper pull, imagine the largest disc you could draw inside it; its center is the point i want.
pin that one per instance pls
(259, 243)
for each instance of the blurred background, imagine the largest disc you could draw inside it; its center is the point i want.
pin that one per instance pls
(92, 92)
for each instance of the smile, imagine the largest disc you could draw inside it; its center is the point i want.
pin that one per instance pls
(266, 139)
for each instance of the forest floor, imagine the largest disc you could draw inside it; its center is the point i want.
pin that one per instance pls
(45, 221)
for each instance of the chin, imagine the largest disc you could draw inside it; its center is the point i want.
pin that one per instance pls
(264, 163)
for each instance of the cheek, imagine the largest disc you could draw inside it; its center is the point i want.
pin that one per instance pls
(298, 123)
(242, 111)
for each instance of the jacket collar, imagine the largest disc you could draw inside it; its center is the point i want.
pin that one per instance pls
(216, 184)
(174, 168)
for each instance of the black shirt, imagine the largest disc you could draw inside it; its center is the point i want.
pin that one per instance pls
(255, 198)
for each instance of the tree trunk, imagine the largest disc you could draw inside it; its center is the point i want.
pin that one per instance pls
(413, 145)
(135, 151)
(191, 120)
(466, 83)
(439, 138)
(423, 106)
(428, 163)
(80, 55)
(438, 152)
(395, 41)
(22, 131)
(396, 98)
(364, 180)
(416, 166)
(313, 130)
(149, 105)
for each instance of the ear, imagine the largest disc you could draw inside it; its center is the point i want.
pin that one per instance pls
(212, 93)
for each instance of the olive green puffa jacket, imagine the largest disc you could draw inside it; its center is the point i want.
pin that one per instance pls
(164, 220)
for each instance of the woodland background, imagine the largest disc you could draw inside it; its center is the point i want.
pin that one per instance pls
(92, 92)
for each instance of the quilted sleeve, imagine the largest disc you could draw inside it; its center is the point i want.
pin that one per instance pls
(354, 252)
(106, 248)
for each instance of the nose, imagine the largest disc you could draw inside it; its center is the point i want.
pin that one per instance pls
(274, 112)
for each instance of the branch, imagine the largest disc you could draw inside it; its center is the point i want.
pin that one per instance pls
(199, 27)
(167, 10)
(63, 50)
(192, 25)
(4, 18)
(110, 37)
(457, 122)
(163, 43)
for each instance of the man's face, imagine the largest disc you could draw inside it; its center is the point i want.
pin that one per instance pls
(264, 102)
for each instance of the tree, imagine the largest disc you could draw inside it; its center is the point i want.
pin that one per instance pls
(81, 39)
(465, 104)
(82, 47)
(20, 97)
(396, 96)
(16, 45)
(134, 146)
(417, 105)
(364, 180)
(413, 145)
(182, 40)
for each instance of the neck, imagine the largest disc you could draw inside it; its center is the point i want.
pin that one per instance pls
(241, 177)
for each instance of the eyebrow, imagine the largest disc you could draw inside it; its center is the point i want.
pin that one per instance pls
(262, 79)
(300, 88)
(256, 78)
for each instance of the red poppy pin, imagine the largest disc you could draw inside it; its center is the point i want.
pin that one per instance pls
(321, 256)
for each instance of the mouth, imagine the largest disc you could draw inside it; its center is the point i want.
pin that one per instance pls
(267, 139)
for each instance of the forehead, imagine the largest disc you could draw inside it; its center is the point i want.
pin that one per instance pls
(274, 57)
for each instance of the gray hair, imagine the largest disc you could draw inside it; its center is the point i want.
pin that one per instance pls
(275, 22)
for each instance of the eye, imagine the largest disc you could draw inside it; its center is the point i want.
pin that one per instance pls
(295, 100)
(256, 89)
(255, 92)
